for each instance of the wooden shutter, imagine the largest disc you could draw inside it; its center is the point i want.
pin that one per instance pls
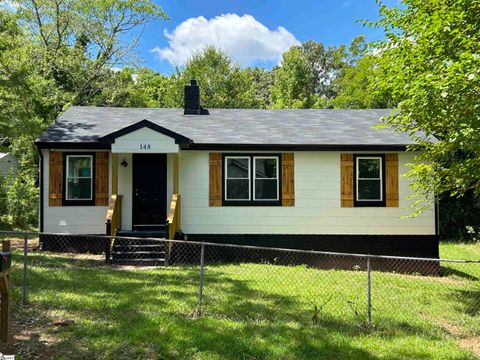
(346, 180)
(101, 178)
(55, 178)
(215, 175)
(391, 180)
(288, 179)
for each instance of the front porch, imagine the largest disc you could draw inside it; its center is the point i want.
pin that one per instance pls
(144, 203)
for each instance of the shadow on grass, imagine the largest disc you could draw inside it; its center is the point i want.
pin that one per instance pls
(468, 301)
(449, 271)
(130, 313)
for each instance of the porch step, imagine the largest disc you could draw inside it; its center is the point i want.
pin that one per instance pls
(156, 234)
(141, 262)
(148, 252)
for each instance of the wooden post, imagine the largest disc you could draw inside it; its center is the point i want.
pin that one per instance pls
(115, 174)
(5, 299)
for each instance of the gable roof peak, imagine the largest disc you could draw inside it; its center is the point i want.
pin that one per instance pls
(179, 138)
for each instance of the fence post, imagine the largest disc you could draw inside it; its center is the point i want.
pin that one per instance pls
(25, 264)
(369, 292)
(202, 261)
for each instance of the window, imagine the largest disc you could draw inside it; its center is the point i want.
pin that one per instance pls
(237, 178)
(266, 178)
(369, 181)
(78, 179)
(251, 180)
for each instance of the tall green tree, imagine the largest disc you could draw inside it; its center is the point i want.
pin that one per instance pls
(137, 87)
(55, 53)
(305, 77)
(224, 84)
(355, 85)
(292, 84)
(430, 61)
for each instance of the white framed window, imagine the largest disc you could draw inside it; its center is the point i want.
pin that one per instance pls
(369, 179)
(266, 178)
(79, 177)
(237, 178)
(251, 179)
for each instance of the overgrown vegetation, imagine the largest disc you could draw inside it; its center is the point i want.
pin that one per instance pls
(430, 64)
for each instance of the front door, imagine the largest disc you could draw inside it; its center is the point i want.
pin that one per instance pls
(149, 191)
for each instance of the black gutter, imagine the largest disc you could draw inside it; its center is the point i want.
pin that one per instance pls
(72, 145)
(296, 147)
(229, 147)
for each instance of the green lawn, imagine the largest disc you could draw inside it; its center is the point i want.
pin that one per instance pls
(81, 308)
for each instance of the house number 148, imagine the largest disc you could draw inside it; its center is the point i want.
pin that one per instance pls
(145, 147)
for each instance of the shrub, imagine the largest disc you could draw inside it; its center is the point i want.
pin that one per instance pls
(22, 200)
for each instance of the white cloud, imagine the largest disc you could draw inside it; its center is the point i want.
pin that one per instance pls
(242, 37)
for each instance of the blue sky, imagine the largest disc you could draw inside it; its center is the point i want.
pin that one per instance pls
(249, 29)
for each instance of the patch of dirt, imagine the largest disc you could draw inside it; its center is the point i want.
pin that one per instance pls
(37, 338)
(471, 343)
(33, 244)
(30, 341)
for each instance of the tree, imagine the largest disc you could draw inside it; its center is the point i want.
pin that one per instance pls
(80, 41)
(55, 53)
(224, 84)
(356, 84)
(292, 84)
(305, 77)
(262, 80)
(324, 64)
(430, 62)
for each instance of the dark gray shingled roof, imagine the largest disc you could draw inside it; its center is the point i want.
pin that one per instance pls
(232, 126)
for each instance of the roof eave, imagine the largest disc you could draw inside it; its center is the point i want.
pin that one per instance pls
(300, 147)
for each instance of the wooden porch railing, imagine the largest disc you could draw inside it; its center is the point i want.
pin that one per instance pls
(173, 223)
(113, 221)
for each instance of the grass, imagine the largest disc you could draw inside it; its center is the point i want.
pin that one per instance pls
(80, 308)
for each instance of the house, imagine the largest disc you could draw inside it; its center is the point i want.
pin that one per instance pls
(307, 179)
(8, 164)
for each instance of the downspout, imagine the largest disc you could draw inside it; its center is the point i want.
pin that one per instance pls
(40, 184)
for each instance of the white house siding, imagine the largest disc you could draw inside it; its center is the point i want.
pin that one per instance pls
(70, 219)
(144, 141)
(317, 203)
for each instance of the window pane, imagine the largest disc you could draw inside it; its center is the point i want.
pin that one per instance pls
(237, 168)
(369, 190)
(79, 189)
(237, 189)
(266, 189)
(265, 168)
(79, 166)
(369, 168)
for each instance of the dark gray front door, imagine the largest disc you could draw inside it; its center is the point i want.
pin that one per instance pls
(149, 191)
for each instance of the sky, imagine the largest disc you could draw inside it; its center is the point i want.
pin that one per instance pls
(253, 32)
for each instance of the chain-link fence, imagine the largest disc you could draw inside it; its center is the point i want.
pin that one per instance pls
(81, 273)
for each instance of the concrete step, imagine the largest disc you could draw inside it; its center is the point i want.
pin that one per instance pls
(140, 262)
(138, 255)
(157, 234)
